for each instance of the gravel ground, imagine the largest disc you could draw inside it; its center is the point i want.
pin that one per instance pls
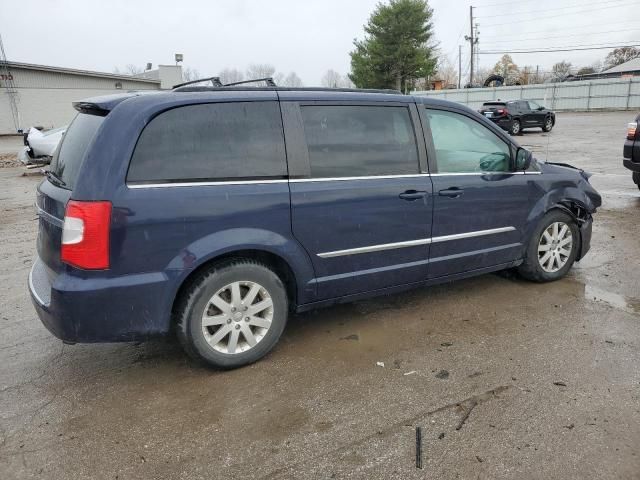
(507, 379)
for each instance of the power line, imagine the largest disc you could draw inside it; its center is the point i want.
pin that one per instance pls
(603, 45)
(529, 39)
(607, 45)
(556, 50)
(508, 2)
(556, 16)
(578, 5)
(572, 27)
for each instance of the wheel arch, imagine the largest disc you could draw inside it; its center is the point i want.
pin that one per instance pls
(284, 255)
(278, 264)
(573, 207)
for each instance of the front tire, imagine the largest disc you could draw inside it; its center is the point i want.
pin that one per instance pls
(233, 314)
(516, 128)
(636, 179)
(552, 248)
(548, 124)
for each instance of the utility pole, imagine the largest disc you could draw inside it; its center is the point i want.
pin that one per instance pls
(459, 65)
(476, 41)
(471, 38)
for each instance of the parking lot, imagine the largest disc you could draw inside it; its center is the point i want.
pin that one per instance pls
(507, 379)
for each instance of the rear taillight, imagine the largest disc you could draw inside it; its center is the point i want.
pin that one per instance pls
(631, 130)
(502, 111)
(85, 235)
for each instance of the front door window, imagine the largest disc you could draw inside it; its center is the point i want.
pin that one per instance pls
(466, 146)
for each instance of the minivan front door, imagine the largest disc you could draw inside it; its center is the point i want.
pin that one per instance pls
(363, 209)
(480, 204)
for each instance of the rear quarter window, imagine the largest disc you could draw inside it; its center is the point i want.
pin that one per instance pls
(211, 142)
(68, 159)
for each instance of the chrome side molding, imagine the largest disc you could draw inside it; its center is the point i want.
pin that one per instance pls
(413, 243)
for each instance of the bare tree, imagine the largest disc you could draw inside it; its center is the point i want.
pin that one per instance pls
(621, 55)
(560, 70)
(292, 80)
(333, 79)
(260, 70)
(527, 75)
(129, 69)
(278, 78)
(190, 74)
(597, 66)
(447, 72)
(508, 69)
(231, 75)
(585, 71)
(481, 74)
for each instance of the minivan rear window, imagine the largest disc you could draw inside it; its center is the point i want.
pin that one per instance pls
(75, 142)
(216, 141)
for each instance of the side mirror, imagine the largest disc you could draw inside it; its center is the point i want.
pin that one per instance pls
(540, 108)
(523, 159)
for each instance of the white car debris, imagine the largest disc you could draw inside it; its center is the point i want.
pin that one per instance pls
(40, 146)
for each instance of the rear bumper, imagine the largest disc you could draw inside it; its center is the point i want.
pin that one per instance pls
(91, 310)
(504, 123)
(633, 166)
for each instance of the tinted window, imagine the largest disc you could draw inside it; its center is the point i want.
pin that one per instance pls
(465, 146)
(213, 141)
(75, 142)
(353, 141)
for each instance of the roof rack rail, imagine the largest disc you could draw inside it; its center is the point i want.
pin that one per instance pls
(215, 81)
(268, 80)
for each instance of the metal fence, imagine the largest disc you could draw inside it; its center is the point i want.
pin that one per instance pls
(588, 95)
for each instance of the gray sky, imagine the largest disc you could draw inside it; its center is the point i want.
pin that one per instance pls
(307, 37)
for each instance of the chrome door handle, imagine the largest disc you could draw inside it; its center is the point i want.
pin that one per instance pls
(453, 192)
(411, 195)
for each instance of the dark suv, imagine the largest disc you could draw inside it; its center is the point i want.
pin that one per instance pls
(631, 150)
(516, 115)
(217, 211)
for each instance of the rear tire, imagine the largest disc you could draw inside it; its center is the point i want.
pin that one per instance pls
(233, 314)
(548, 124)
(516, 128)
(552, 248)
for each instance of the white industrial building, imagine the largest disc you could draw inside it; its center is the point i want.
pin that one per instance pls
(42, 95)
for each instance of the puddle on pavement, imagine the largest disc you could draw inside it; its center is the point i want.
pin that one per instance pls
(615, 300)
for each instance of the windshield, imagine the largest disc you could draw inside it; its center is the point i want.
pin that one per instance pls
(75, 142)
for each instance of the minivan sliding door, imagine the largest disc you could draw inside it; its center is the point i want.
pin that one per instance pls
(360, 193)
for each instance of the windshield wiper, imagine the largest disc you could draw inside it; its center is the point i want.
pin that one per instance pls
(54, 178)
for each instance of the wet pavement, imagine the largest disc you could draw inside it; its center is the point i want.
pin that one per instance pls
(507, 379)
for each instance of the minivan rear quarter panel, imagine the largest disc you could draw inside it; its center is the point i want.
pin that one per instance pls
(161, 234)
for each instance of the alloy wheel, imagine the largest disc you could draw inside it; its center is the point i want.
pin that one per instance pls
(548, 124)
(554, 247)
(237, 317)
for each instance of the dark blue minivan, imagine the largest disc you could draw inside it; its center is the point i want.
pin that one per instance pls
(217, 211)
